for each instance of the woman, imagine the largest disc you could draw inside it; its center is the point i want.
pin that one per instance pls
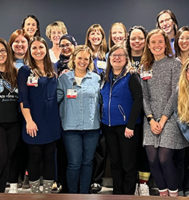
(96, 40)
(18, 42)
(54, 32)
(135, 47)
(182, 44)
(122, 103)
(182, 53)
(167, 22)
(78, 94)
(118, 34)
(30, 25)
(135, 44)
(9, 118)
(37, 95)
(67, 45)
(162, 135)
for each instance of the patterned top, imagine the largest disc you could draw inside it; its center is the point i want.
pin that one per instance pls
(159, 94)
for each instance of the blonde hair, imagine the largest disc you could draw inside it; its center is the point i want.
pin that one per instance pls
(148, 58)
(183, 94)
(103, 44)
(110, 41)
(71, 63)
(58, 24)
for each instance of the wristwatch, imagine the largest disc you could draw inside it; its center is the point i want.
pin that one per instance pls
(149, 119)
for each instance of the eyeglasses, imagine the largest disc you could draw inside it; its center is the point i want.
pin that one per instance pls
(117, 55)
(65, 45)
(165, 20)
(3, 51)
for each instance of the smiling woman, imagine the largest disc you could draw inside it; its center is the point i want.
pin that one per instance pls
(121, 106)
(41, 126)
(78, 94)
(18, 42)
(160, 128)
(9, 118)
(54, 32)
(30, 25)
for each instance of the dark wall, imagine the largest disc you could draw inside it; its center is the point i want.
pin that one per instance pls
(78, 15)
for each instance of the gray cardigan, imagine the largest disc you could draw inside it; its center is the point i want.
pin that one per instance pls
(158, 99)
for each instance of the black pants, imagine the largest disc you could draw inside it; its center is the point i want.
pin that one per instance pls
(9, 137)
(99, 163)
(61, 165)
(123, 152)
(45, 154)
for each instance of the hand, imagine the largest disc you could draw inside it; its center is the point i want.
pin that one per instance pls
(129, 133)
(31, 128)
(163, 121)
(155, 127)
(64, 71)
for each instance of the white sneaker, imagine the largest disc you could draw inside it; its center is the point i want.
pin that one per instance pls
(144, 190)
(137, 190)
(13, 188)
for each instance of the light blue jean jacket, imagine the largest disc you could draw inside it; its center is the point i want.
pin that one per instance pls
(83, 112)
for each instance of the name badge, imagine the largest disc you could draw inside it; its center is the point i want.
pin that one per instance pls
(71, 93)
(146, 75)
(32, 81)
(101, 64)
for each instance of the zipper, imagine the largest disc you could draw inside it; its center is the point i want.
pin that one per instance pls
(111, 96)
(122, 112)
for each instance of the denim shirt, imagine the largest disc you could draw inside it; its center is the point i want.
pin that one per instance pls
(83, 112)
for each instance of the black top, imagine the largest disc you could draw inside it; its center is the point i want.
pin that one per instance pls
(136, 91)
(8, 102)
(61, 64)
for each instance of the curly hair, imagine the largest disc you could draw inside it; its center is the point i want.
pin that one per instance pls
(183, 94)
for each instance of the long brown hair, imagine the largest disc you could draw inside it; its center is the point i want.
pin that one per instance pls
(148, 58)
(10, 73)
(103, 45)
(12, 38)
(48, 67)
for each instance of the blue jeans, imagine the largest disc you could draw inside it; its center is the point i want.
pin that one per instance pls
(80, 148)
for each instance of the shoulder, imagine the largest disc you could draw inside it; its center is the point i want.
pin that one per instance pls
(173, 61)
(66, 75)
(94, 75)
(24, 69)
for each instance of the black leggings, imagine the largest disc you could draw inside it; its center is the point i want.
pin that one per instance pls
(9, 137)
(162, 167)
(41, 154)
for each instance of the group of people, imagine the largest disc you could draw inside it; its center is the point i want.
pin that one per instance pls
(72, 104)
